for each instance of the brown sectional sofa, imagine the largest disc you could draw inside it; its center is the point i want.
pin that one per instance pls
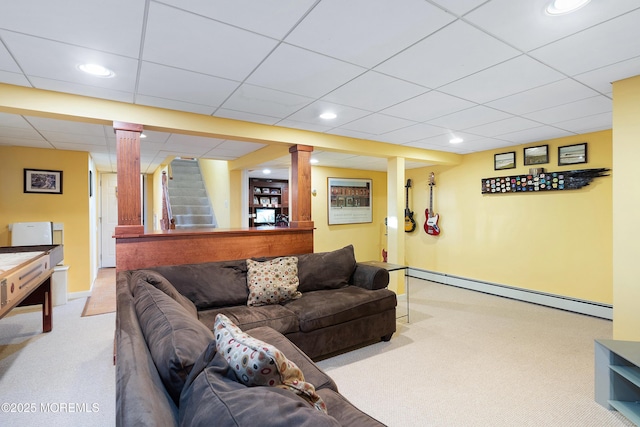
(167, 368)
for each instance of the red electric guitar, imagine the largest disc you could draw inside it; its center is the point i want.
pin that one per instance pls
(431, 224)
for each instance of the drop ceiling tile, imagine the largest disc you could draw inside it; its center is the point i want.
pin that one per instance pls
(470, 117)
(287, 123)
(82, 89)
(388, 91)
(175, 84)
(88, 23)
(428, 106)
(14, 79)
(501, 127)
(239, 148)
(266, 102)
(71, 146)
(366, 32)
(601, 78)
(172, 104)
(442, 140)
(302, 72)
(614, 41)
(73, 138)
(6, 61)
(44, 124)
(539, 98)
(377, 124)
(573, 110)
(58, 61)
(453, 52)
(512, 76)
(13, 120)
(534, 134)
(588, 124)
(481, 145)
(526, 25)
(459, 7)
(273, 18)
(21, 133)
(412, 133)
(247, 117)
(311, 114)
(192, 42)
(177, 140)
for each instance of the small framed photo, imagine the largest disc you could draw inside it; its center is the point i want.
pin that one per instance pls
(572, 154)
(536, 155)
(504, 161)
(42, 181)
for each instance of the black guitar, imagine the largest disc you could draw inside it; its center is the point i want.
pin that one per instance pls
(409, 222)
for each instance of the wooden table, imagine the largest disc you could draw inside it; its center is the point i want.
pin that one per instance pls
(25, 278)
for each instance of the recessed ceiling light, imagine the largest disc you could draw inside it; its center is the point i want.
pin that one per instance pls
(96, 70)
(456, 140)
(560, 7)
(314, 161)
(142, 135)
(266, 171)
(328, 116)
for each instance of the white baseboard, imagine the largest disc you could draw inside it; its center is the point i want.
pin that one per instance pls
(589, 308)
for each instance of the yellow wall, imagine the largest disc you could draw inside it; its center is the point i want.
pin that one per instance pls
(626, 209)
(366, 238)
(558, 242)
(215, 174)
(71, 208)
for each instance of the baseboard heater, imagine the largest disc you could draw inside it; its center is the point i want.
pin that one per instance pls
(590, 308)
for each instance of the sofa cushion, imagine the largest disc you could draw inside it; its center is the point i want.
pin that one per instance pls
(214, 397)
(275, 316)
(326, 270)
(319, 309)
(174, 338)
(257, 363)
(159, 281)
(272, 281)
(211, 284)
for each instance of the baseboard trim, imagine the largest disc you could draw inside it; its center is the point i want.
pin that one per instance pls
(589, 308)
(82, 294)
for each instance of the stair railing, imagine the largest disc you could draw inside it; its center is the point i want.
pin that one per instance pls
(167, 222)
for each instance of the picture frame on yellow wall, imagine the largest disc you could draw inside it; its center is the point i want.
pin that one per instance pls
(536, 155)
(42, 181)
(572, 154)
(504, 161)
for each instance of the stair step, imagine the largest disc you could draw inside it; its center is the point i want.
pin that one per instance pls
(186, 200)
(193, 219)
(187, 192)
(191, 210)
(191, 226)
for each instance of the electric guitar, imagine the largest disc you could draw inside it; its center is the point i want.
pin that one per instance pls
(409, 222)
(431, 224)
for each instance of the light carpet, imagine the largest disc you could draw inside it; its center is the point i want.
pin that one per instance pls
(472, 359)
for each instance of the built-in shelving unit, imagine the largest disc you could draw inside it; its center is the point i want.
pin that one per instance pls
(268, 202)
(617, 380)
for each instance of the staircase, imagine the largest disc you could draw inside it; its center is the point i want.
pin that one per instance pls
(190, 204)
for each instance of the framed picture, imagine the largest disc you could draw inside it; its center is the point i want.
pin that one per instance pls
(349, 201)
(42, 181)
(536, 155)
(504, 160)
(572, 154)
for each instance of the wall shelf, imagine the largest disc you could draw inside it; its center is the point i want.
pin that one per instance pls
(267, 194)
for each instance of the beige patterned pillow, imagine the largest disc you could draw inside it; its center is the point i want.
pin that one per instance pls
(273, 281)
(257, 363)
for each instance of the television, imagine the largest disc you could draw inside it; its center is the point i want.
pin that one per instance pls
(265, 216)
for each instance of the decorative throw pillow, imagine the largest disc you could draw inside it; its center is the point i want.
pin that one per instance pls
(257, 363)
(273, 281)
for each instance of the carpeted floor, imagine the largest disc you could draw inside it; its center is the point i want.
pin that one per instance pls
(466, 359)
(103, 294)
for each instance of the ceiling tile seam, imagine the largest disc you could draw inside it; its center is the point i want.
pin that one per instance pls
(441, 7)
(143, 34)
(15, 60)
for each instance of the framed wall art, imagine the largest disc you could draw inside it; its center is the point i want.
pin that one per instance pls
(572, 154)
(504, 161)
(42, 181)
(349, 201)
(536, 155)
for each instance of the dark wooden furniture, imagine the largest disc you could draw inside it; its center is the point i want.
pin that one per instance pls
(267, 194)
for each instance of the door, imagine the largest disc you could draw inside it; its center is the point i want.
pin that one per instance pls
(108, 218)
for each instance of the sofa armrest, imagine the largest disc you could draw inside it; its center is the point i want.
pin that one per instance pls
(370, 277)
